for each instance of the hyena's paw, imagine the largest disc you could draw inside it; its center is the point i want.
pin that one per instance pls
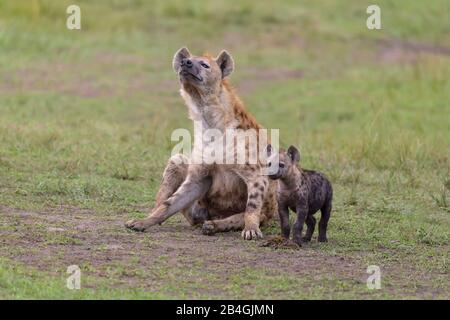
(251, 233)
(297, 241)
(208, 228)
(137, 225)
(322, 239)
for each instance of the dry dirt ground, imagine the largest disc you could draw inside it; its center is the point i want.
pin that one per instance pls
(60, 237)
(175, 253)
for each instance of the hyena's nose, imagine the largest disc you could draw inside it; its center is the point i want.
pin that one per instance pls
(187, 62)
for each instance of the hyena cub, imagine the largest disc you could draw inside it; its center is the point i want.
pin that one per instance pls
(304, 192)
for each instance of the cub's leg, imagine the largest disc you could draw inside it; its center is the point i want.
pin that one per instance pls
(302, 212)
(311, 224)
(283, 212)
(323, 223)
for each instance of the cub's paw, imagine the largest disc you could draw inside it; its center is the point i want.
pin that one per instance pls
(306, 239)
(136, 225)
(251, 234)
(322, 239)
(208, 228)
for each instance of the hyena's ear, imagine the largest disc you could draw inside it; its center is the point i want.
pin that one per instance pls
(181, 54)
(294, 154)
(226, 63)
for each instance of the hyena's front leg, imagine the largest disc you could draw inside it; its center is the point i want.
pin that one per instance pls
(250, 220)
(256, 192)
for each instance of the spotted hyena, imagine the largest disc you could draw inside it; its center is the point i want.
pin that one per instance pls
(304, 192)
(220, 197)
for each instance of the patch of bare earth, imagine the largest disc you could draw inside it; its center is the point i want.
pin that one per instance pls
(253, 78)
(52, 240)
(399, 51)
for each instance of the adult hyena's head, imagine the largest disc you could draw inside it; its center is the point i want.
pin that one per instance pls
(202, 73)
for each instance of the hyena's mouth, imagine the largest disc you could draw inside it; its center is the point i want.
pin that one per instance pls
(196, 77)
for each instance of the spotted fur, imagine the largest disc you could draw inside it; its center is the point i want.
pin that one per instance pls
(304, 192)
(221, 196)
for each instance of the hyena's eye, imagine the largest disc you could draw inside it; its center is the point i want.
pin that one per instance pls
(204, 65)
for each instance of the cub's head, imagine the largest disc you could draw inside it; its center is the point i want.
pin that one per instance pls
(287, 163)
(204, 73)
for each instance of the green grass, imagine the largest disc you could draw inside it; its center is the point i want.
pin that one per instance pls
(86, 118)
(19, 283)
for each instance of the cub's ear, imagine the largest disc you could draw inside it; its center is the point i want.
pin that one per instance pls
(226, 63)
(181, 54)
(294, 154)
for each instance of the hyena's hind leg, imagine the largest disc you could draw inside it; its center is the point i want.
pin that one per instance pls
(175, 174)
(235, 222)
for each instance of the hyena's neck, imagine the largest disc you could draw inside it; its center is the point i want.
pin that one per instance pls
(292, 180)
(218, 110)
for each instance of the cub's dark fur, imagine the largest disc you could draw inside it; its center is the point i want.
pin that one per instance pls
(304, 192)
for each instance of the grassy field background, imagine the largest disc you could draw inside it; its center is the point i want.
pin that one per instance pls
(85, 124)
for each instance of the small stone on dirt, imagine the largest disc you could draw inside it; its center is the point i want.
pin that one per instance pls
(114, 247)
(54, 229)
